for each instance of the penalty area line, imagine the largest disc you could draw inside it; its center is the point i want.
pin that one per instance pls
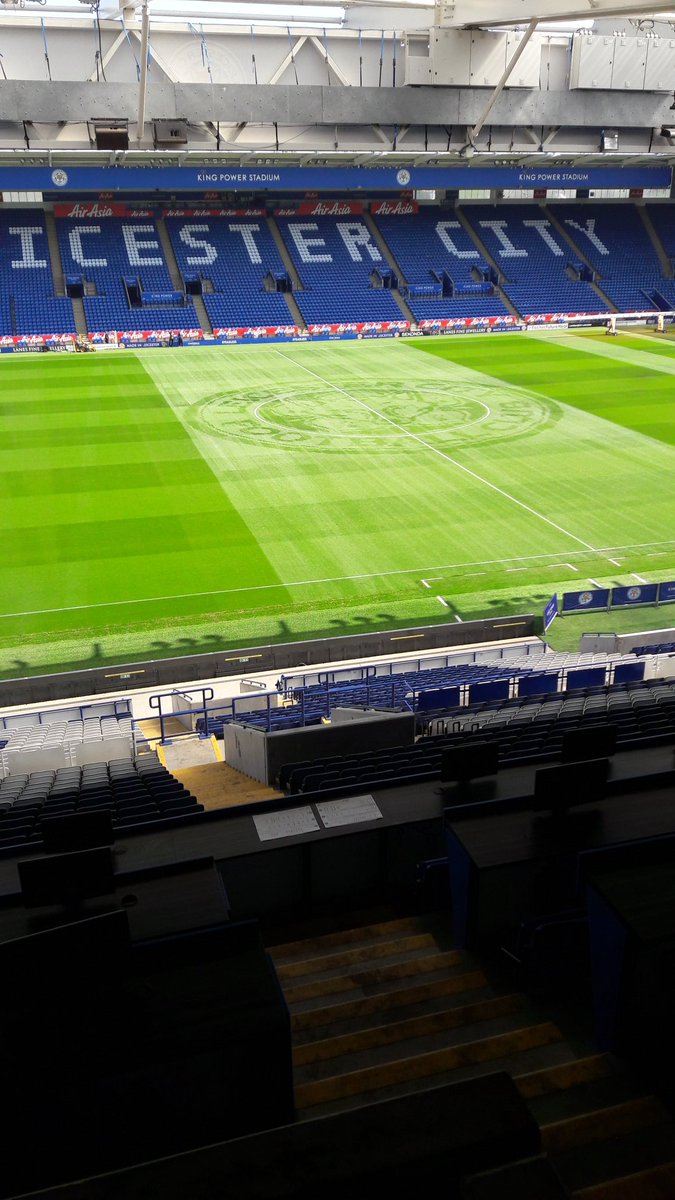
(293, 583)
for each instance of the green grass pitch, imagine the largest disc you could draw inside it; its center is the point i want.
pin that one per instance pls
(180, 501)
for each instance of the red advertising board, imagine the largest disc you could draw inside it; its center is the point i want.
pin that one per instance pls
(323, 208)
(95, 209)
(213, 212)
(394, 208)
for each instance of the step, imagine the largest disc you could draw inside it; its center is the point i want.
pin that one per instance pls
(633, 1152)
(411, 1048)
(401, 1031)
(566, 1075)
(393, 1001)
(326, 963)
(603, 1124)
(425, 1066)
(376, 977)
(512, 1064)
(654, 1183)
(314, 947)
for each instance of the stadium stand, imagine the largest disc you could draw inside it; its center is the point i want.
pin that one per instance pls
(236, 256)
(430, 246)
(534, 259)
(526, 730)
(28, 304)
(135, 791)
(420, 690)
(335, 260)
(107, 253)
(616, 242)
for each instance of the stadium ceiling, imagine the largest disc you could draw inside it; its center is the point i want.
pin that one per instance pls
(358, 14)
(314, 80)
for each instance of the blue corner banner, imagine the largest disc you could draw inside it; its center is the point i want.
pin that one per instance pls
(551, 611)
(583, 601)
(321, 179)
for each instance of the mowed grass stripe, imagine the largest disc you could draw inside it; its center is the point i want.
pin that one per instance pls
(637, 397)
(103, 478)
(135, 529)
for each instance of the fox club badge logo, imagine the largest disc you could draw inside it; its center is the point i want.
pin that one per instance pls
(403, 177)
(59, 178)
(634, 593)
(585, 597)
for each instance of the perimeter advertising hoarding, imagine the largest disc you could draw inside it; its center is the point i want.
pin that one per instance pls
(584, 601)
(321, 179)
(645, 593)
(667, 592)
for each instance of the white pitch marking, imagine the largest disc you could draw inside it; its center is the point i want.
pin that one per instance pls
(638, 577)
(427, 585)
(472, 574)
(508, 570)
(616, 564)
(443, 602)
(441, 453)
(458, 618)
(594, 582)
(266, 587)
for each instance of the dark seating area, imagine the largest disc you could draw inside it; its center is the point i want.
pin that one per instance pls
(134, 791)
(526, 731)
(656, 648)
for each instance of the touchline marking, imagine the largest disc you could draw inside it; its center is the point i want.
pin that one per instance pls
(638, 577)
(593, 581)
(442, 601)
(441, 453)
(267, 587)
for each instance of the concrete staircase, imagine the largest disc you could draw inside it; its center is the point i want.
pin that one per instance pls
(390, 1009)
(177, 282)
(291, 268)
(581, 255)
(55, 254)
(203, 316)
(58, 276)
(79, 316)
(666, 264)
(176, 277)
(391, 262)
(483, 250)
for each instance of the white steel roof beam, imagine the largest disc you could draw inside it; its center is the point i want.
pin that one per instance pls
(505, 75)
(515, 12)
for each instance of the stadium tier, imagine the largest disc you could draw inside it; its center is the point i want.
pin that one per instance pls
(614, 239)
(236, 257)
(535, 260)
(433, 249)
(526, 731)
(28, 304)
(123, 259)
(335, 260)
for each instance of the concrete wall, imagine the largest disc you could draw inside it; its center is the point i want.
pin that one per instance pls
(262, 755)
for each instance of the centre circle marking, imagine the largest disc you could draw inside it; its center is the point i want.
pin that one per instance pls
(458, 414)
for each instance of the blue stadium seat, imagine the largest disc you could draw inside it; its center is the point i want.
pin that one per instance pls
(335, 258)
(109, 250)
(27, 301)
(235, 254)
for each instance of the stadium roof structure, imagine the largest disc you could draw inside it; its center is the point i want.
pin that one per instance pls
(358, 82)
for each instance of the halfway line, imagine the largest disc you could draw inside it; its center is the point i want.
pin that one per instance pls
(440, 453)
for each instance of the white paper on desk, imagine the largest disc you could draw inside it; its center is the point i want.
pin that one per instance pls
(289, 823)
(351, 811)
